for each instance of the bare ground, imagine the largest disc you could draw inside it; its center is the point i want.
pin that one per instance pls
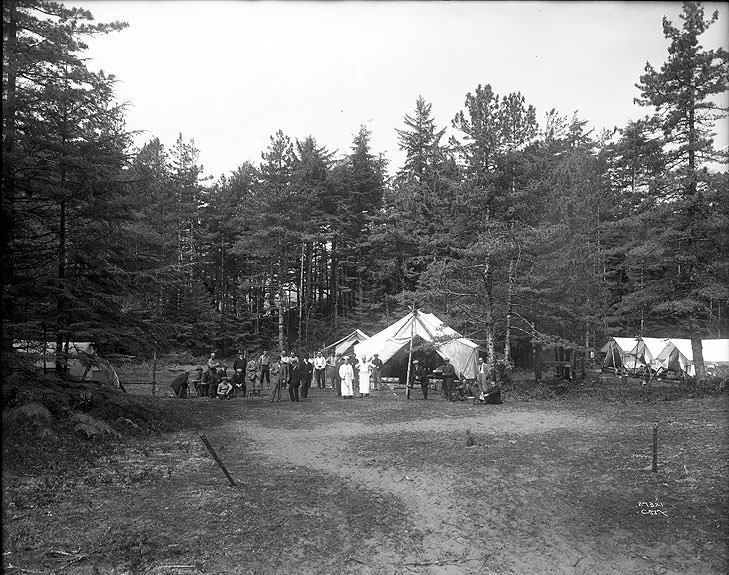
(385, 485)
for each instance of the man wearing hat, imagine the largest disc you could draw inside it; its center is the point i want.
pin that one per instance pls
(376, 372)
(449, 378)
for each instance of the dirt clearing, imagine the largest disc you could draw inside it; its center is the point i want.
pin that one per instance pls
(383, 485)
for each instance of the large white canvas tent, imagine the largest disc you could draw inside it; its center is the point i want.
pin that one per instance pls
(343, 345)
(679, 356)
(448, 343)
(81, 356)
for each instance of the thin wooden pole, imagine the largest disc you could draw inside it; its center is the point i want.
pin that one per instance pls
(655, 448)
(154, 371)
(216, 458)
(410, 354)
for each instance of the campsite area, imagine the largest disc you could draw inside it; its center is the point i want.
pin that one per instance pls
(381, 485)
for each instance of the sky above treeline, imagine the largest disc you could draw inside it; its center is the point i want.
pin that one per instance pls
(229, 74)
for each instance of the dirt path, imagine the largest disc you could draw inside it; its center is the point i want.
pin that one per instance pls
(428, 495)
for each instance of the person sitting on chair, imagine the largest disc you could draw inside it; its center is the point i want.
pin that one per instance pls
(493, 395)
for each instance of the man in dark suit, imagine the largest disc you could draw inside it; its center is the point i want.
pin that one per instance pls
(449, 377)
(307, 374)
(294, 378)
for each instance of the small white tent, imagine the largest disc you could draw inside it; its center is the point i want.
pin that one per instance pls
(448, 343)
(648, 349)
(620, 352)
(343, 345)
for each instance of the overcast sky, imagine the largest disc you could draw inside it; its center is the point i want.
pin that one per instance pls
(230, 74)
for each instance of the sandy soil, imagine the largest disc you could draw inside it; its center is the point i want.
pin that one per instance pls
(384, 485)
(465, 530)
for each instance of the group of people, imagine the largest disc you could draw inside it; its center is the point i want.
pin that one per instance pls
(482, 390)
(297, 376)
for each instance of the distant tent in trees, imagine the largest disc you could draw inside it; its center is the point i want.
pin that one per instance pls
(446, 342)
(343, 345)
(678, 356)
(648, 349)
(82, 358)
(620, 353)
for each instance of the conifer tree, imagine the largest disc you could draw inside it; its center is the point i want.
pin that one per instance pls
(64, 201)
(683, 94)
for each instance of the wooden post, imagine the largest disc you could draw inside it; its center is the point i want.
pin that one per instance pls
(216, 458)
(410, 354)
(154, 370)
(655, 448)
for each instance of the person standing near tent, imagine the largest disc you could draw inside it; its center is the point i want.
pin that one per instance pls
(482, 376)
(320, 366)
(419, 375)
(264, 363)
(337, 378)
(279, 380)
(284, 368)
(376, 372)
(239, 373)
(363, 367)
(240, 363)
(346, 375)
(449, 378)
(213, 364)
(331, 374)
(251, 378)
(307, 373)
(294, 378)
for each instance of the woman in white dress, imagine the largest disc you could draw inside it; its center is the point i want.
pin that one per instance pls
(346, 374)
(364, 367)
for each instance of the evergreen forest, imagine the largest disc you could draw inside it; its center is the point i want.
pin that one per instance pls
(524, 228)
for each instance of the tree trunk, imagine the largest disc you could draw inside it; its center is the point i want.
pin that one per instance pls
(281, 339)
(490, 363)
(8, 168)
(698, 353)
(509, 309)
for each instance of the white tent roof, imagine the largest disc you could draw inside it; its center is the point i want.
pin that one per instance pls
(649, 348)
(448, 343)
(624, 343)
(621, 352)
(342, 345)
(714, 351)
